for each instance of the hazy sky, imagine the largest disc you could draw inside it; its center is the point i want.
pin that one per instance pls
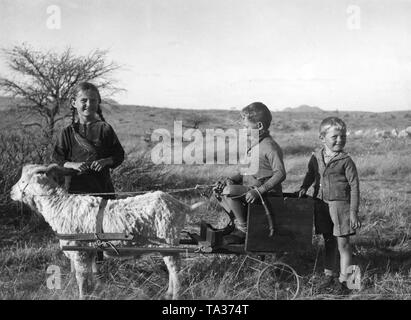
(350, 55)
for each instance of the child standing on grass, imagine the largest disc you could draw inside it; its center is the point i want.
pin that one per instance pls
(89, 145)
(336, 186)
(239, 190)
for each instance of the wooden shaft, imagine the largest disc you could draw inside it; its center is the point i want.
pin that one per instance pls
(131, 250)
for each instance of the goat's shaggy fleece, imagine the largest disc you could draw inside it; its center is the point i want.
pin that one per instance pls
(155, 216)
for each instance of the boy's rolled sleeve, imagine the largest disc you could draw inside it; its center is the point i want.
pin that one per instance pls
(352, 177)
(275, 159)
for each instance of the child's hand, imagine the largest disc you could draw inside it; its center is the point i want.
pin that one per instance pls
(219, 186)
(302, 192)
(79, 166)
(229, 182)
(251, 196)
(98, 165)
(355, 221)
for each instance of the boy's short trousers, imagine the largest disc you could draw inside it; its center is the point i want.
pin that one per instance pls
(322, 220)
(332, 217)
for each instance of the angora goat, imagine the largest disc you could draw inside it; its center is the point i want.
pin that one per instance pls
(153, 216)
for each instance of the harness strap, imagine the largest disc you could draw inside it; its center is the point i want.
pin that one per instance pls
(100, 237)
(100, 216)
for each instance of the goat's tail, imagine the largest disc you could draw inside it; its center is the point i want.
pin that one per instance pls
(196, 205)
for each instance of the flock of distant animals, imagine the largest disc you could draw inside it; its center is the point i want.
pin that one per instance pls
(394, 133)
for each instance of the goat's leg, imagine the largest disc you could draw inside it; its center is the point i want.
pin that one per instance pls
(173, 266)
(82, 267)
(81, 280)
(96, 273)
(69, 254)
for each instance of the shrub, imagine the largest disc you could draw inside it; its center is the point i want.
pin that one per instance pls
(16, 149)
(281, 126)
(305, 126)
(299, 149)
(196, 119)
(138, 173)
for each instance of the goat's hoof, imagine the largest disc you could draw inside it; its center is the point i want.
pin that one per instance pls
(168, 296)
(98, 286)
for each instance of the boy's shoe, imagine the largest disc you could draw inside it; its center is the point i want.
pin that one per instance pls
(327, 282)
(235, 237)
(342, 289)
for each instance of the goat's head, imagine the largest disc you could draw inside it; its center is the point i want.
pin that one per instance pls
(36, 180)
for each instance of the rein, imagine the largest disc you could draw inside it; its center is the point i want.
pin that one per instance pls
(266, 209)
(197, 187)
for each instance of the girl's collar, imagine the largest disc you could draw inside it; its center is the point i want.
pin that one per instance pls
(88, 123)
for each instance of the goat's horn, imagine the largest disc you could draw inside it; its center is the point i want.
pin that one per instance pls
(52, 166)
(41, 169)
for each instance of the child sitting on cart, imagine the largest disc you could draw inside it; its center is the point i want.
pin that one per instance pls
(336, 190)
(239, 190)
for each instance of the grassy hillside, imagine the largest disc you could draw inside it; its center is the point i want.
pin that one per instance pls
(382, 247)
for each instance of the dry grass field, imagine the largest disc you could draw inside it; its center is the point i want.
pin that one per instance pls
(382, 248)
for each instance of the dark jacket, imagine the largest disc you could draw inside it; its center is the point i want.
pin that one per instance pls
(335, 181)
(95, 141)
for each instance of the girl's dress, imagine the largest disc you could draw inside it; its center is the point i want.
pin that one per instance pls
(87, 143)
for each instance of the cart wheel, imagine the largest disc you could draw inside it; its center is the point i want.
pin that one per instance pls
(278, 281)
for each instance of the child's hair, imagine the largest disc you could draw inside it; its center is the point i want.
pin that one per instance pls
(257, 112)
(85, 86)
(329, 122)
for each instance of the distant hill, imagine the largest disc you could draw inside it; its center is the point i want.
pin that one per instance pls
(304, 108)
(137, 120)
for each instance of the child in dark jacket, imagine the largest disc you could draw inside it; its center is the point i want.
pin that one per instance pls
(336, 186)
(241, 189)
(89, 145)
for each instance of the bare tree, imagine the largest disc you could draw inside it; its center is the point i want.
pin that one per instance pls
(43, 79)
(195, 119)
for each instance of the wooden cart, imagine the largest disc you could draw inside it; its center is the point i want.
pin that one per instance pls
(293, 227)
